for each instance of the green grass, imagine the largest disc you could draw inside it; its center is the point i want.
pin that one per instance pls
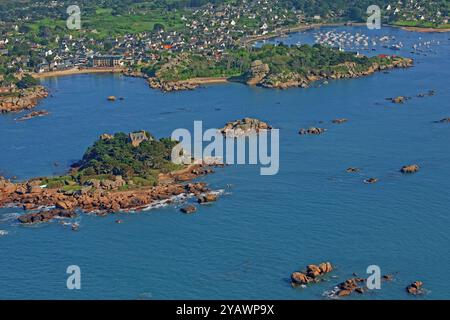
(107, 24)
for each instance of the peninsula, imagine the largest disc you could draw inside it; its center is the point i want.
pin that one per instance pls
(271, 66)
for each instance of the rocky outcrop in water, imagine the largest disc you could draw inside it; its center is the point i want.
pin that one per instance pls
(415, 288)
(399, 99)
(207, 198)
(34, 114)
(312, 274)
(349, 286)
(312, 131)
(22, 99)
(371, 180)
(244, 127)
(413, 168)
(190, 209)
(46, 216)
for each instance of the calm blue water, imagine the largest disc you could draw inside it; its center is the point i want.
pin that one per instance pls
(246, 245)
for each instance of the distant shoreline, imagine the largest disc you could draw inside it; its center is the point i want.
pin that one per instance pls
(73, 71)
(304, 27)
(421, 29)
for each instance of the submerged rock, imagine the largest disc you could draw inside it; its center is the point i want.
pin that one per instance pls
(34, 114)
(371, 180)
(339, 121)
(445, 120)
(352, 170)
(410, 168)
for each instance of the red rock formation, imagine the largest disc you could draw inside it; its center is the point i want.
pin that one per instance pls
(22, 99)
(311, 274)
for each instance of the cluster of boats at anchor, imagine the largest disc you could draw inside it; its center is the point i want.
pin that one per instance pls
(345, 40)
(348, 41)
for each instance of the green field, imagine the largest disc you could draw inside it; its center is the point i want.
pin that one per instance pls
(105, 24)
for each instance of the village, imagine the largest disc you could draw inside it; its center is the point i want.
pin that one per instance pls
(209, 31)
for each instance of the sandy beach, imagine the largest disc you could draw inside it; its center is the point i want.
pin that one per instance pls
(74, 71)
(201, 81)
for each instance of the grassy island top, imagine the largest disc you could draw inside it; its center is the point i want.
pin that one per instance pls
(137, 157)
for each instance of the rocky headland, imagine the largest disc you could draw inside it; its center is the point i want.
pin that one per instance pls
(260, 73)
(22, 99)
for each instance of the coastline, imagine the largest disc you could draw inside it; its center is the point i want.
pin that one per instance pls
(421, 29)
(74, 71)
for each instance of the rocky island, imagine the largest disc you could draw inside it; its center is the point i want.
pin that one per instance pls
(244, 127)
(119, 172)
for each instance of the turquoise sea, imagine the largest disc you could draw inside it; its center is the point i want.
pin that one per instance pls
(263, 228)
